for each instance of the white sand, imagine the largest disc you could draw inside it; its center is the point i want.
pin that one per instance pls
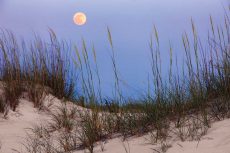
(217, 140)
(13, 129)
(13, 132)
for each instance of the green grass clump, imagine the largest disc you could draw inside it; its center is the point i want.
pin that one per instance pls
(37, 68)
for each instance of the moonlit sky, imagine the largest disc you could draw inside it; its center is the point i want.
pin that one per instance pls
(130, 21)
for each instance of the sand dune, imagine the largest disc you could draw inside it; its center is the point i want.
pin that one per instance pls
(13, 133)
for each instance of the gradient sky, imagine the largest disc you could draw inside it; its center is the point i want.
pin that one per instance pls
(130, 21)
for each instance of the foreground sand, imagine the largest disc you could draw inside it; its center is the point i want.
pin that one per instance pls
(13, 133)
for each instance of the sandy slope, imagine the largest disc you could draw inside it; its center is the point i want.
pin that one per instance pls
(217, 140)
(13, 132)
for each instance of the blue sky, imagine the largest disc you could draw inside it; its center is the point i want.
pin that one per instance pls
(130, 21)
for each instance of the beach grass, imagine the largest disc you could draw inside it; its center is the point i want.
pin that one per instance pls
(38, 68)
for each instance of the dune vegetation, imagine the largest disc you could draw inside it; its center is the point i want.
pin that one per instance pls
(194, 95)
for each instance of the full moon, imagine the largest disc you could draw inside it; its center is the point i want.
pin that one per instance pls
(79, 18)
